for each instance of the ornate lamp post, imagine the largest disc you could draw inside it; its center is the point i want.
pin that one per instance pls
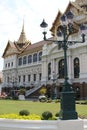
(67, 110)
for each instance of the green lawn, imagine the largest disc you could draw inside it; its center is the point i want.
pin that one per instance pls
(13, 106)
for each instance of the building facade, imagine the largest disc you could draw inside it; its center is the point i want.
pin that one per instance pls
(42, 63)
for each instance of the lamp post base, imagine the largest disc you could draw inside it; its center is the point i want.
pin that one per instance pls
(67, 111)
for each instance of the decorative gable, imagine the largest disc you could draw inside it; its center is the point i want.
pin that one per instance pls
(79, 13)
(80, 16)
(10, 49)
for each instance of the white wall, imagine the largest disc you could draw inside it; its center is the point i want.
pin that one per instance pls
(10, 124)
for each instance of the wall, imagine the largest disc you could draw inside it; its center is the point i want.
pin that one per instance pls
(9, 124)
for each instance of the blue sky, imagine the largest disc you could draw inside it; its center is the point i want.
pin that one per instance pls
(12, 13)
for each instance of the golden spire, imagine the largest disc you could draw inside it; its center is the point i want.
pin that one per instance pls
(22, 41)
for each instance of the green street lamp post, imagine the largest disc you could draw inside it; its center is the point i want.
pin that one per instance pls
(67, 104)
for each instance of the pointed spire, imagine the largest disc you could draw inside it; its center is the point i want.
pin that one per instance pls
(22, 39)
(23, 27)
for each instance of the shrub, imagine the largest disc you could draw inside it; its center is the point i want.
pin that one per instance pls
(15, 97)
(8, 97)
(57, 114)
(56, 101)
(49, 100)
(81, 102)
(22, 91)
(47, 115)
(24, 112)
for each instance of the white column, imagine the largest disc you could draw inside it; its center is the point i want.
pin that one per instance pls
(44, 70)
(32, 78)
(69, 67)
(52, 66)
(83, 66)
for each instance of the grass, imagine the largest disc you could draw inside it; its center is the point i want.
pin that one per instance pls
(82, 110)
(13, 106)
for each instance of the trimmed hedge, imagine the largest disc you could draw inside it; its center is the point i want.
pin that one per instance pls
(24, 112)
(47, 115)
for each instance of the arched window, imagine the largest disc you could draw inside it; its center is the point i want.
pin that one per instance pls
(40, 54)
(24, 60)
(49, 71)
(20, 61)
(76, 68)
(30, 59)
(35, 57)
(61, 68)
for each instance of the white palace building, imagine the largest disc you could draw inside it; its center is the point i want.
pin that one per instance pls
(42, 63)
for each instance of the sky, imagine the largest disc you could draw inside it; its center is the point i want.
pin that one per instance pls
(13, 12)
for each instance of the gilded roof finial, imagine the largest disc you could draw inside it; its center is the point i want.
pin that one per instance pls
(23, 26)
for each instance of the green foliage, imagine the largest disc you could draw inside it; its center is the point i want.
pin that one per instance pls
(84, 102)
(56, 100)
(43, 91)
(15, 97)
(57, 114)
(24, 112)
(22, 91)
(47, 115)
(49, 100)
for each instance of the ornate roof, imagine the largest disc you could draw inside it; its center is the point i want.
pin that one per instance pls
(79, 7)
(22, 41)
(36, 46)
(56, 22)
(81, 2)
(10, 49)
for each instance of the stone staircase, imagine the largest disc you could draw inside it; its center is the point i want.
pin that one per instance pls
(28, 92)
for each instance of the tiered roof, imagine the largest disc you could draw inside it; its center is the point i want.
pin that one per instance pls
(80, 6)
(22, 41)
